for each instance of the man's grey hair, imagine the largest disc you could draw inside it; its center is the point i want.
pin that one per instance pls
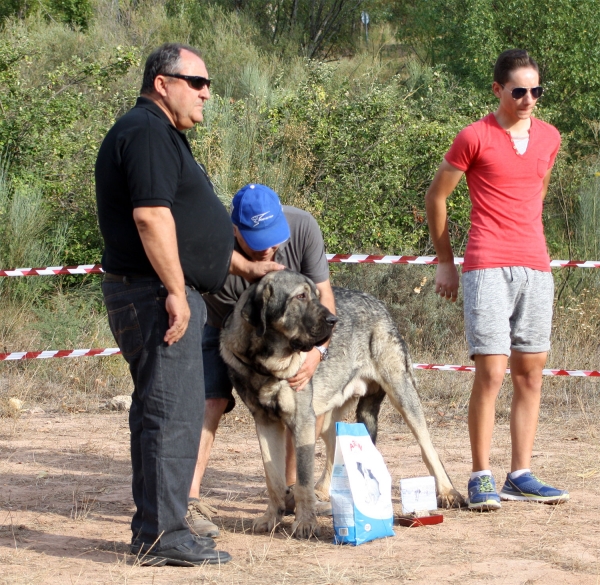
(165, 59)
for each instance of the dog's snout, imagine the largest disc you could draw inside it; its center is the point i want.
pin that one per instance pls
(331, 320)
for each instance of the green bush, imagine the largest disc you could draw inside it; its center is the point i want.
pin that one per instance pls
(376, 147)
(588, 220)
(357, 152)
(28, 238)
(344, 140)
(562, 35)
(18, 8)
(75, 13)
(51, 127)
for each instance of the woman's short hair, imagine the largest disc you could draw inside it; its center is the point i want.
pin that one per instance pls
(510, 60)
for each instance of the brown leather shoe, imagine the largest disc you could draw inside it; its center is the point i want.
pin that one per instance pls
(198, 518)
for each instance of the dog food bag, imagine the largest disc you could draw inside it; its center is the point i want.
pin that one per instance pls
(361, 488)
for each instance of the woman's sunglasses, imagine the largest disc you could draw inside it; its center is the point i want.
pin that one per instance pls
(520, 92)
(195, 82)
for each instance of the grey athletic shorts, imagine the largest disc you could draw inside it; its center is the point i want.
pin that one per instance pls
(508, 309)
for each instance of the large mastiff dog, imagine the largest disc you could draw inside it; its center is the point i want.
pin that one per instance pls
(264, 342)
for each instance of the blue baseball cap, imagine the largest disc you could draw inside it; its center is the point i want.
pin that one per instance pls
(258, 215)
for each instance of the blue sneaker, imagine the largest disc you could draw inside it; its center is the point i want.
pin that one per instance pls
(482, 493)
(529, 488)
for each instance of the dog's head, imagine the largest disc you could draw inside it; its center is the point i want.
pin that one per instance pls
(287, 303)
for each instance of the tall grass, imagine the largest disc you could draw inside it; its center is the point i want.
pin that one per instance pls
(232, 143)
(28, 238)
(434, 331)
(589, 216)
(39, 313)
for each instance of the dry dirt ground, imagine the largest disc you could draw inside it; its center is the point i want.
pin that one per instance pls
(65, 506)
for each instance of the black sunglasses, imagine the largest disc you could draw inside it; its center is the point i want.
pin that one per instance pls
(520, 92)
(195, 82)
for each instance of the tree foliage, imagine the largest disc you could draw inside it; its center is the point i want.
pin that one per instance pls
(319, 25)
(76, 13)
(562, 35)
(50, 130)
(352, 145)
(14, 8)
(376, 147)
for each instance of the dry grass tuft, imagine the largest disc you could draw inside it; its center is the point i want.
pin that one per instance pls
(83, 505)
(434, 331)
(67, 321)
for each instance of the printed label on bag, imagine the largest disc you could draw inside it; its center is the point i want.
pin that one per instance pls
(361, 488)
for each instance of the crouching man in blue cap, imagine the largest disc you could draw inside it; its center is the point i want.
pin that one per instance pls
(265, 231)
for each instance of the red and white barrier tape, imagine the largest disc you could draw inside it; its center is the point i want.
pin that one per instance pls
(545, 372)
(373, 259)
(57, 353)
(54, 270)
(70, 353)
(333, 258)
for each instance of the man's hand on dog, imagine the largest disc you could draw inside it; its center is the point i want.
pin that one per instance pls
(446, 281)
(252, 270)
(256, 270)
(306, 372)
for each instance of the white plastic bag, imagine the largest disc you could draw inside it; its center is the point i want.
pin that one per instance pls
(361, 488)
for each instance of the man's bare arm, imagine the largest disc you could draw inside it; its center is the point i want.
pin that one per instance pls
(156, 227)
(250, 270)
(327, 299)
(445, 181)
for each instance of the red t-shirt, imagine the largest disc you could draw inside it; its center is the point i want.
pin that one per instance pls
(505, 189)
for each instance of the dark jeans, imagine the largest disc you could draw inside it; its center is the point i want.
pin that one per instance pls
(167, 411)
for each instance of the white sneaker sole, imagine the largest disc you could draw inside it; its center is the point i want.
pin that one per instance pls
(538, 499)
(487, 505)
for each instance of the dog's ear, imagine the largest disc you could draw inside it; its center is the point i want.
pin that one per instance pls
(266, 295)
(255, 308)
(248, 311)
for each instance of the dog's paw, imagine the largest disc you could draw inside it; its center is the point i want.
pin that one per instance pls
(451, 499)
(321, 494)
(266, 523)
(306, 529)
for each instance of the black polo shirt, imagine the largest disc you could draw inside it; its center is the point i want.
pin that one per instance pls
(144, 161)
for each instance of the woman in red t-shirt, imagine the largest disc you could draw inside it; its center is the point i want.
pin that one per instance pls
(507, 158)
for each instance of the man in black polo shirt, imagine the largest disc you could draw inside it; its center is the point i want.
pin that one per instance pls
(167, 239)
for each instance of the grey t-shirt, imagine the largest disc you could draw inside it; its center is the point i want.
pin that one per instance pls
(304, 252)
